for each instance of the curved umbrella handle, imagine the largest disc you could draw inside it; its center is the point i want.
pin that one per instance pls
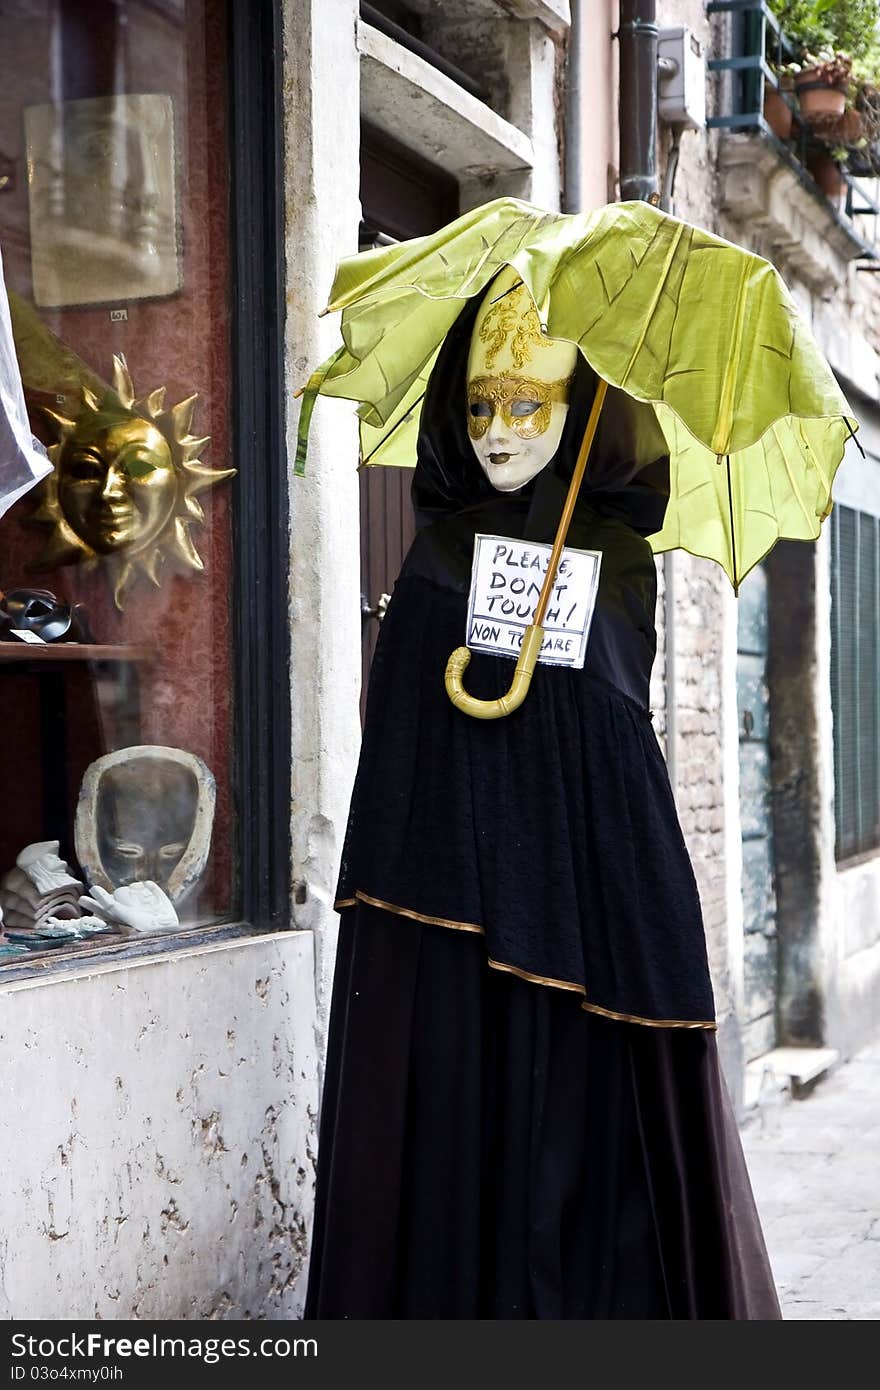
(519, 686)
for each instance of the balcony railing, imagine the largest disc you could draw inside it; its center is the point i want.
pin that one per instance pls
(760, 46)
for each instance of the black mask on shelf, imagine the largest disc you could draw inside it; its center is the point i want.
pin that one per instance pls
(40, 612)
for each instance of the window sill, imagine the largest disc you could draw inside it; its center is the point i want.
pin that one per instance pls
(858, 861)
(134, 950)
(407, 98)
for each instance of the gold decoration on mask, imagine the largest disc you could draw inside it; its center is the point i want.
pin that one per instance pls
(124, 489)
(513, 321)
(524, 403)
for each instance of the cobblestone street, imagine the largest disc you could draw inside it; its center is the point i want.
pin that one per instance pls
(815, 1168)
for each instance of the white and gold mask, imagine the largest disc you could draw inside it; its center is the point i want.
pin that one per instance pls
(518, 383)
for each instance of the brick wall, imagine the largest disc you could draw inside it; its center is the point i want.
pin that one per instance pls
(700, 588)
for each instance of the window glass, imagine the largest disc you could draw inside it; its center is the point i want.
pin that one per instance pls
(116, 715)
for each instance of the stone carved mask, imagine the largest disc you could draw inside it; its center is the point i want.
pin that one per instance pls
(518, 383)
(146, 814)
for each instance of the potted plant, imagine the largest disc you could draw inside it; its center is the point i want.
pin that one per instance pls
(822, 84)
(826, 165)
(864, 160)
(847, 25)
(848, 129)
(778, 111)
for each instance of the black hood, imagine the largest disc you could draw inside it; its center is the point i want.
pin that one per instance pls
(628, 470)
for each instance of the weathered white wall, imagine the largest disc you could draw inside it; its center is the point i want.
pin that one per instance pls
(534, 64)
(322, 143)
(157, 1132)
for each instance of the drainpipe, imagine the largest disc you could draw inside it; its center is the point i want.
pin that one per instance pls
(637, 111)
(637, 121)
(574, 111)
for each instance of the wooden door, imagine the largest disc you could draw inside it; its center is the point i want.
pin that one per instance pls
(401, 196)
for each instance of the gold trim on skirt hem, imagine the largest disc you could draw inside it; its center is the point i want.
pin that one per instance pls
(515, 970)
(407, 912)
(535, 979)
(649, 1022)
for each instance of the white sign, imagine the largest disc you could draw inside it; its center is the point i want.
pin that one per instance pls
(25, 635)
(506, 583)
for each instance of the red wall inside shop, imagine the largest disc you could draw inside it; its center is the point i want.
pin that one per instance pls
(180, 342)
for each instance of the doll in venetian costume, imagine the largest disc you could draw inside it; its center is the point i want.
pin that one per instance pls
(523, 1113)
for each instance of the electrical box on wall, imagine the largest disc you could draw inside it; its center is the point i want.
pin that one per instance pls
(682, 78)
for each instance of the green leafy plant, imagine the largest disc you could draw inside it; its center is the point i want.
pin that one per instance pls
(849, 26)
(832, 67)
(836, 42)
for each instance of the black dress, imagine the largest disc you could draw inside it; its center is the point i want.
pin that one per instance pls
(523, 1113)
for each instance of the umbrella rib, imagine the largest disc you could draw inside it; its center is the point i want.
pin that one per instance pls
(397, 423)
(661, 281)
(477, 269)
(732, 526)
(791, 478)
(852, 435)
(812, 458)
(724, 423)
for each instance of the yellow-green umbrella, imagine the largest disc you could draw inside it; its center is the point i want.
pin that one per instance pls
(702, 330)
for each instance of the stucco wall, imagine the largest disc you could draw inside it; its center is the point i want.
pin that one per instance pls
(836, 973)
(322, 211)
(158, 1124)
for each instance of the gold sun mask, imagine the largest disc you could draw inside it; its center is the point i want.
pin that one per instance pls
(125, 484)
(524, 404)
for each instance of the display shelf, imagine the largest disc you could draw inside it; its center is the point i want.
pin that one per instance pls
(11, 653)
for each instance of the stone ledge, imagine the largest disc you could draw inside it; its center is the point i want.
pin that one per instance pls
(555, 15)
(787, 222)
(792, 1071)
(295, 942)
(424, 109)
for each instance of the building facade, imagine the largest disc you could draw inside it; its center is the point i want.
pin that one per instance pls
(171, 1155)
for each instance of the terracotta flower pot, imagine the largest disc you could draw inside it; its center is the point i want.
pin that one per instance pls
(818, 100)
(847, 129)
(777, 113)
(827, 174)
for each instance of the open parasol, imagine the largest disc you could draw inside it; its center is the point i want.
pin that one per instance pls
(699, 329)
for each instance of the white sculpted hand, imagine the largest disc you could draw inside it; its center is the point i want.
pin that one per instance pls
(139, 906)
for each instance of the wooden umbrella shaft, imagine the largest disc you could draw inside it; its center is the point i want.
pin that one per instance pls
(568, 509)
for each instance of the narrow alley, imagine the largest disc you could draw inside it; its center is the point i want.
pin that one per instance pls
(815, 1167)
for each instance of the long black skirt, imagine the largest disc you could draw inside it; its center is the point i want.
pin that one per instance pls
(490, 1150)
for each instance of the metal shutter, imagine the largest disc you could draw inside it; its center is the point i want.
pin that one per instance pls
(855, 679)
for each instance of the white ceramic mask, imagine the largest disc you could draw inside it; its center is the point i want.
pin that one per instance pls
(518, 383)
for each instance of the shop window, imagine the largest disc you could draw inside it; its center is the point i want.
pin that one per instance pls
(122, 640)
(855, 679)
